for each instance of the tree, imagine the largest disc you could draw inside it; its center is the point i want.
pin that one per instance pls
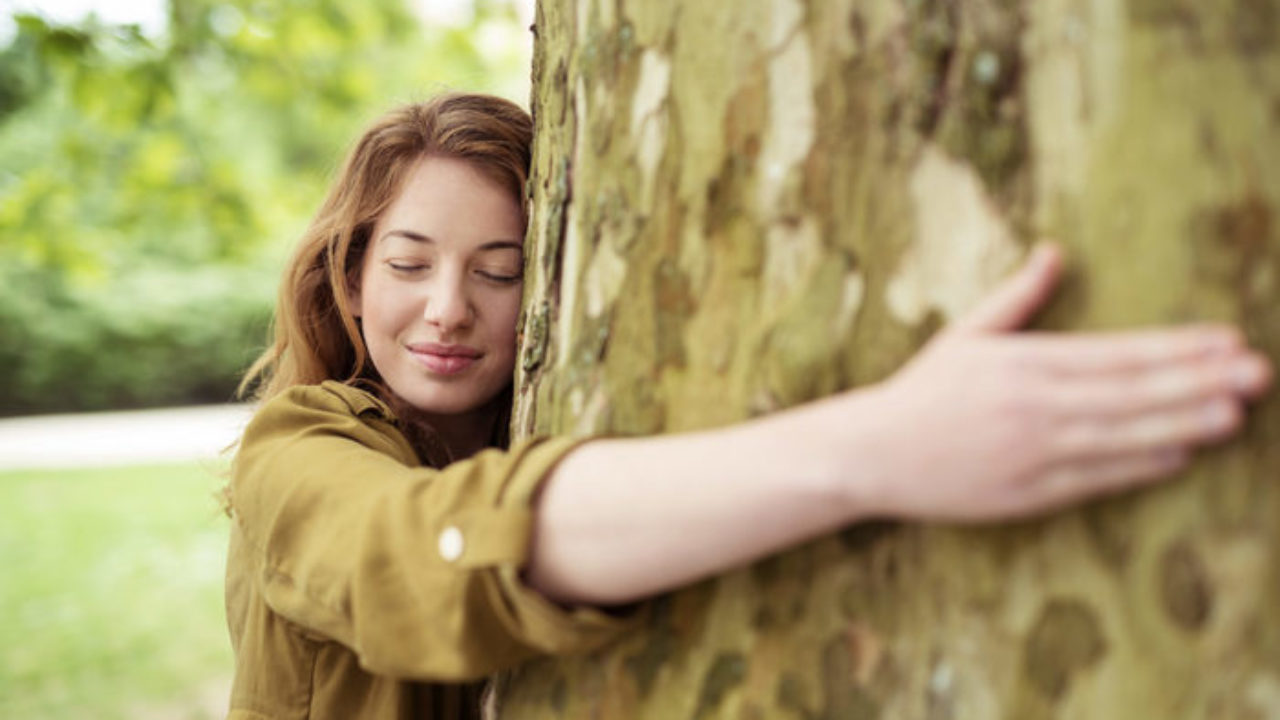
(742, 206)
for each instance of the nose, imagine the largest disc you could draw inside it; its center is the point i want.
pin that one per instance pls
(448, 306)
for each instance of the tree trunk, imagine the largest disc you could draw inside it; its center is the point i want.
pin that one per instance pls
(741, 206)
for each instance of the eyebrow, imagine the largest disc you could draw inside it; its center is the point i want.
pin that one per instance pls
(419, 237)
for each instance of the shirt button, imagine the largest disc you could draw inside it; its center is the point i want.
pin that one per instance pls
(451, 544)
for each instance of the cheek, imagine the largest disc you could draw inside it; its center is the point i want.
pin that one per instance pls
(385, 304)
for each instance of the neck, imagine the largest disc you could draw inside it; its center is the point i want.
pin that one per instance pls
(465, 434)
(462, 434)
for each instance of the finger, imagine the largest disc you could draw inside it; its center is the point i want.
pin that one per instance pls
(1082, 353)
(1160, 387)
(1073, 482)
(1192, 424)
(1014, 301)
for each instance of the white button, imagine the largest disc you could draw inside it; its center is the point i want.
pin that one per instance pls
(451, 544)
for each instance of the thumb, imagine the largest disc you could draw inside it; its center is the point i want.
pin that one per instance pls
(1012, 304)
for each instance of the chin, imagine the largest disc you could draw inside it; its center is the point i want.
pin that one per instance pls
(434, 403)
(438, 406)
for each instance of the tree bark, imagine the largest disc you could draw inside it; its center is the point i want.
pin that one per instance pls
(741, 206)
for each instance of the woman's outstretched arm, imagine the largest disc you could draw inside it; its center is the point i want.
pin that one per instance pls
(984, 424)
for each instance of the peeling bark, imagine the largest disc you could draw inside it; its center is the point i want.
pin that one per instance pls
(738, 207)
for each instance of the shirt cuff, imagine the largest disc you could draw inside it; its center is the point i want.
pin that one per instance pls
(547, 625)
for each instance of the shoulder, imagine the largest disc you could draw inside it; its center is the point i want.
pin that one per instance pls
(328, 402)
(330, 396)
(306, 419)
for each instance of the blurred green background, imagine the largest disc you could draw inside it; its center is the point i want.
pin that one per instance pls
(111, 602)
(154, 173)
(155, 169)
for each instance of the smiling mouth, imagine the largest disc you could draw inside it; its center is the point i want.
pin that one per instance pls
(445, 359)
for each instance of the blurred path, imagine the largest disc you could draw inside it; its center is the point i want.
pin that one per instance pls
(120, 438)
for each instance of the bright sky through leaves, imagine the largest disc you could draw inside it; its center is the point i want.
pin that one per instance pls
(150, 14)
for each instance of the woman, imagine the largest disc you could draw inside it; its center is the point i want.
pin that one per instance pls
(387, 550)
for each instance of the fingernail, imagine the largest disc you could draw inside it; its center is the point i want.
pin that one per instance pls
(1216, 415)
(1247, 373)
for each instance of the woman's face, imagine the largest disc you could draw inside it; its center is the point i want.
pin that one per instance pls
(440, 288)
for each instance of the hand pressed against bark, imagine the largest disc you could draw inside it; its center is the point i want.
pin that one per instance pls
(984, 424)
(1007, 424)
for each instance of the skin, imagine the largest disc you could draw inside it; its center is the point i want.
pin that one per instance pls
(439, 296)
(1017, 423)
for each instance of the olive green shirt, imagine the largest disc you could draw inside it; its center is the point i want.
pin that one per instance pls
(361, 584)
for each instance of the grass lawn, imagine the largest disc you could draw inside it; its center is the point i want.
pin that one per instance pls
(111, 593)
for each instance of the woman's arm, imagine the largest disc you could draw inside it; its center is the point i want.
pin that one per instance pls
(984, 424)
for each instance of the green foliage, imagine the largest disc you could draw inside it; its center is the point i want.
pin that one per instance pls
(112, 604)
(149, 336)
(150, 185)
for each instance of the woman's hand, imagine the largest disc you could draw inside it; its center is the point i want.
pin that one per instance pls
(983, 424)
(988, 424)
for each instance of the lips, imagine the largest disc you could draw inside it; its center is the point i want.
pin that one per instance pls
(444, 359)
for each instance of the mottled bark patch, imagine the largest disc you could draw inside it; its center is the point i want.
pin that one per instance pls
(637, 406)
(726, 673)
(725, 193)
(798, 363)
(1185, 590)
(1256, 25)
(675, 305)
(603, 278)
(845, 697)
(1231, 243)
(941, 698)
(866, 649)
(791, 695)
(1110, 530)
(1244, 227)
(648, 128)
(884, 554)
(659, 646)
(933, 44)
(1065, 640)
(729, 193)
(985, 122)
(793, 251)
(559, 193)
(559, 100)
(535, 344)
(962, 244)
(765, 618)
(560, 695)
(792, 115)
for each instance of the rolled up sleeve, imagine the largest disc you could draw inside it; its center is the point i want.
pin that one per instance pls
(415, 569)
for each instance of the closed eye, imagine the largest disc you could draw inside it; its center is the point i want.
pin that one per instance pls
(407, 266)
(499, 277)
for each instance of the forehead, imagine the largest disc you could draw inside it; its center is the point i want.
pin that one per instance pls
(448, 198)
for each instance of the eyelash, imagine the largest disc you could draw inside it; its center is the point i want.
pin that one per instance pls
(403, 267)
(503, 279)
(493, 277)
